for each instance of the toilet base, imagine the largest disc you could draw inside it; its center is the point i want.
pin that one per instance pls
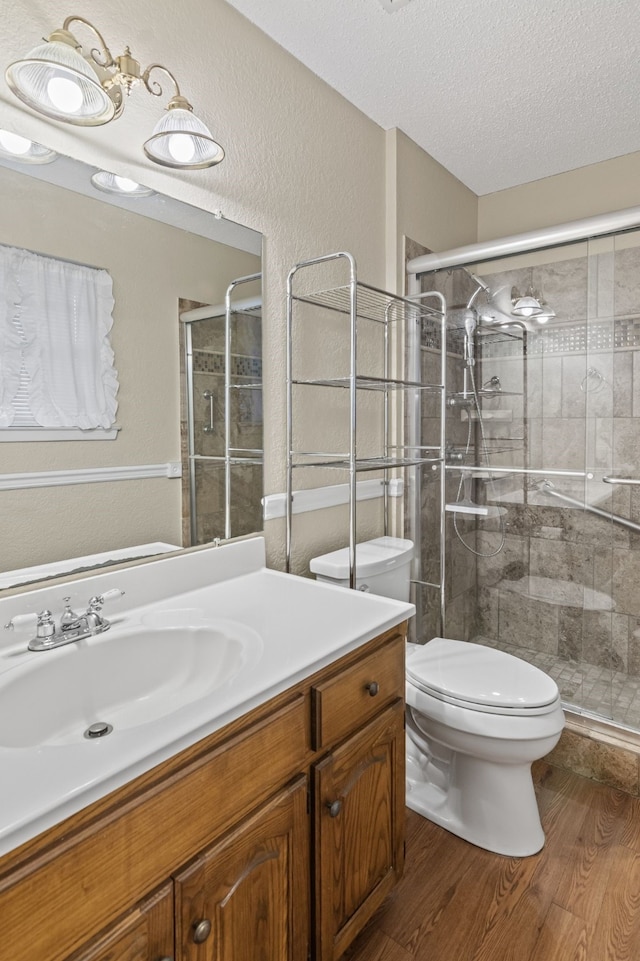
(488, 804)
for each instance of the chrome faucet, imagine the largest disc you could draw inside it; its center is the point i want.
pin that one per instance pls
(73, 627)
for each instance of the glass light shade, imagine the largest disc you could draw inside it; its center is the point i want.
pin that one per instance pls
(24, 151)
(526, 307)
(547, 313)
(56, 80)
(181, 140)
(113, 184)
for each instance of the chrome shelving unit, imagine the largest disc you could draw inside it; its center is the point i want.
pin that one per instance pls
(357, 302)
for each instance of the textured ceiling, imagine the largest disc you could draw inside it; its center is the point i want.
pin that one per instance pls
(501, 92)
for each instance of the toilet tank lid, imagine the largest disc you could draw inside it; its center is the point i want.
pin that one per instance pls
(479, 675)
(372, 557)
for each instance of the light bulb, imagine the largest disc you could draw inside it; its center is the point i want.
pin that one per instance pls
(126, 185)
(526, 306)
(181, 147)
(65, 94)
(14, 143)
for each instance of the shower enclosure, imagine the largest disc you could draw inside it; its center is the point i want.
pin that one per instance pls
(542, 467)
(223, 390)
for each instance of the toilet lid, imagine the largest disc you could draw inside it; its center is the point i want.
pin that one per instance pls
(466, 672)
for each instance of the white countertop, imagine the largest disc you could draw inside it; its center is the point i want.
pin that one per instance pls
(303, 625)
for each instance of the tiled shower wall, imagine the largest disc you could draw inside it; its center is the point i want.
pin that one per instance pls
(564, 582)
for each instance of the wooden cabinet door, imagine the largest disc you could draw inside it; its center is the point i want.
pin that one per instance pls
(359, 829)
(144, 934)
(246, 898)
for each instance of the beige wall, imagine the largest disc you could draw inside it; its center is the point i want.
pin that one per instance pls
(302, 165)
(424, 202)
(151, 265)
(596, 189)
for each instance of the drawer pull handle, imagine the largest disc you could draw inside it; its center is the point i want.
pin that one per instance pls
(165, 957)
(373, 687)
(201, 930)
(334, 808)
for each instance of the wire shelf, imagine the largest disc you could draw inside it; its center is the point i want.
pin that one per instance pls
(363, 382)
(249, 459)
(372, 304)
(343, 462)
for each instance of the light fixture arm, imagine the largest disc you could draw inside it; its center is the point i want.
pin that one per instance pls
(128, 71)
(155, 89)
(153, 86)
(104, 58)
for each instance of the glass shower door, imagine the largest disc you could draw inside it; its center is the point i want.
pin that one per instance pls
(225, 422)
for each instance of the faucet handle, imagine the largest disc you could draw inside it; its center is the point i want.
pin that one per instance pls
(21, 622)
(44, 623)
(95, 604)
(110, 595)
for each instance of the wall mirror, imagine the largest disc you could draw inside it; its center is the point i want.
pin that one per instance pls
(70, 498)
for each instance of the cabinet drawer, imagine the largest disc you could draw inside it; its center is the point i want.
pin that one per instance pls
(344, 702)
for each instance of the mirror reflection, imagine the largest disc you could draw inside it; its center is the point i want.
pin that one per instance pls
(75, 494)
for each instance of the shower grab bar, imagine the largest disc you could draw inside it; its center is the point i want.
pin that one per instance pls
(631, 481)
(521, 470)
(546, 488)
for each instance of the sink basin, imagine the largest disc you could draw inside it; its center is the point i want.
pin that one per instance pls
(126, 677)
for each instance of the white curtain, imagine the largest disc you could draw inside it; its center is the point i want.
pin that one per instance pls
(54, 325)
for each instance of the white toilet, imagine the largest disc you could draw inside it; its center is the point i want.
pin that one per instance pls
(476, 719)
(383, 566)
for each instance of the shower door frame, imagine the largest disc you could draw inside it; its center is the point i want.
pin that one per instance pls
(231, 456)
(605, 226)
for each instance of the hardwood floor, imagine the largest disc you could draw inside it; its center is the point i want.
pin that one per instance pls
(577, 900)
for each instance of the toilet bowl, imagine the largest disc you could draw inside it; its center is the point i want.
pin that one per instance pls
(476, 718)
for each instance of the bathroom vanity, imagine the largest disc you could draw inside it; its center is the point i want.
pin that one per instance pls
(272, 831)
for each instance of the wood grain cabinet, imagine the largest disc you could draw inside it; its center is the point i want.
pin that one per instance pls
(359, 829)
(144, 934)
(219, 853)
(244, 898)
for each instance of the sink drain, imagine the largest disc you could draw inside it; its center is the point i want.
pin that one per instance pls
(99, 729)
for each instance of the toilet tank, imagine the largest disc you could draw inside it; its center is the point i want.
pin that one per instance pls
(383, 566)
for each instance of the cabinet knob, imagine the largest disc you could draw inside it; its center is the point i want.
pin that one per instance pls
(334, 808)
(373, 687)
(201, 930)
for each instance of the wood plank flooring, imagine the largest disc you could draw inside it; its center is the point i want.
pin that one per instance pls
(577, 900)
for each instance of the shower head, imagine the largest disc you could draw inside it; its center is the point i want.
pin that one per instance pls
(497, 310)
(470, 324)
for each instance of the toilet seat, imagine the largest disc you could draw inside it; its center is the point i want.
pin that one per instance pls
(480, 678)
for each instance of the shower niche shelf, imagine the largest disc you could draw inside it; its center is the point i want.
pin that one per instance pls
(483, 392)
(361, 342)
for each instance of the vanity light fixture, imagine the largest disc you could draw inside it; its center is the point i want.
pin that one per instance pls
(531, 304)
(18, 148)
(87, 89)
(113, 184)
